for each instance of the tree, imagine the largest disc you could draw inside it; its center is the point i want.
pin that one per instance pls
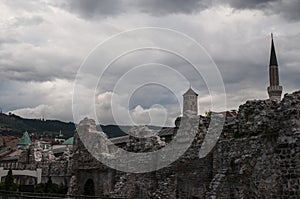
(49, 182)
(9, 184)
(49, 186)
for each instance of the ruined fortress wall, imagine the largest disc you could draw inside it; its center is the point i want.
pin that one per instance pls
(259, 158)
(188, 177)
(257, 167)
(263, 162)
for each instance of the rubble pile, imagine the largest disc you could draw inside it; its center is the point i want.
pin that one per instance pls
(165, 188)
(143, 139)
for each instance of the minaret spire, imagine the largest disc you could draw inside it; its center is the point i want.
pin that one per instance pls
(273, 58)
(274, 90)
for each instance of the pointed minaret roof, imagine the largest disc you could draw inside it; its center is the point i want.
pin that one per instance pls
(25, 140)
(69, 141)
(273, 59)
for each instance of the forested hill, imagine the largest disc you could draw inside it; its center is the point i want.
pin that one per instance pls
(15, 125)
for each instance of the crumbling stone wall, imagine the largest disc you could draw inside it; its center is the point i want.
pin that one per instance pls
(85, 167)
(263, 161)
(257, 156)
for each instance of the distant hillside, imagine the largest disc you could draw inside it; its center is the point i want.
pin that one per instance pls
(16, 125)
(113, 130)
(117, 131)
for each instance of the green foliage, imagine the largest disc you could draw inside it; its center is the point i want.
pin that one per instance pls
(9, 184)
(15, 125)
(50, 187)
(2, 186)
(49, 182)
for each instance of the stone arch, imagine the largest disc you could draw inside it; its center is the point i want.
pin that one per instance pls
(89, 188)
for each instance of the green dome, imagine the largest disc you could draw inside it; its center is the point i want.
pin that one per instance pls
(69, 141)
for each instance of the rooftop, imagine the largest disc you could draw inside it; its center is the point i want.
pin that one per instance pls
(25, 140)
(190, 91)
(69, 141)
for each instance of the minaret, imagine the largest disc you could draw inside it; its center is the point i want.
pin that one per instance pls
(190, 103)
(274, 90)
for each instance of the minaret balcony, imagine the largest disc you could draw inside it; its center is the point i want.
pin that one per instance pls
(274, 88)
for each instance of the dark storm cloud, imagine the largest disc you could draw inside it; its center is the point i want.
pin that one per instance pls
(102, 8)
(250, 4)
(289, 9)
(92, 8)
(158, 7)
(42, 44)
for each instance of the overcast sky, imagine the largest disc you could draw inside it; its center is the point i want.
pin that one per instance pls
(44, 42)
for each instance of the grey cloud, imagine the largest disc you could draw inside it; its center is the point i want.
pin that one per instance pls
(28, 5)
(141, 97)
(20, 61)
(5, 41)
(30, 21)
(288, 9)
(47, 99)
(28, 74)
(92, 8)
(287, 53)
(37, 54)
(250, 4)
(24, 71)
(102, 8)
(158, 7)
(15, 95)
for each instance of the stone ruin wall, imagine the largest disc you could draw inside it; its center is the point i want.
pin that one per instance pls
(257, 156)
(263, 161)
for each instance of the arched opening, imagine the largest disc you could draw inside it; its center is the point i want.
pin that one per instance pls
(89, 188)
